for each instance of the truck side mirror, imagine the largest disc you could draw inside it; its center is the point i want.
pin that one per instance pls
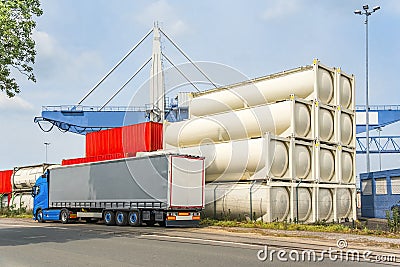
(33, 193)
(35, 190)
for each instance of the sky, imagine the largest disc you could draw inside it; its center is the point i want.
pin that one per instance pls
(80, 41)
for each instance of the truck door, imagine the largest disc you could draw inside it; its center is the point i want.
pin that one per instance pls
(40, 194)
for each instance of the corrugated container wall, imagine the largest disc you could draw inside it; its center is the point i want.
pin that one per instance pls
(5, 181)
(93, 159)
(127, 140)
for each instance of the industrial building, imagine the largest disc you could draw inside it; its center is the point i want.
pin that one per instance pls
(380, 190)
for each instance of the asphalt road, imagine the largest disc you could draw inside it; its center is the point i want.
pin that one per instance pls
(25, 243)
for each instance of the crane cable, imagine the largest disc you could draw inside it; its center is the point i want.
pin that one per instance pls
(125, 84)
(183, 53)
(187, 79)
(116, 66)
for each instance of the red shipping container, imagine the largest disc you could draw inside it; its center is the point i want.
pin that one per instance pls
(142, 137)
(5, 181)
(66, 162)
(127, 140)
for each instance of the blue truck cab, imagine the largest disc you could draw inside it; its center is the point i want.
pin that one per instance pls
(40, 194)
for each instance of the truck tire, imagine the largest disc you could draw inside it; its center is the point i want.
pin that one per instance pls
(121, 218)
(109, 217)
(134, 218)
(64, 216)
(39, 216)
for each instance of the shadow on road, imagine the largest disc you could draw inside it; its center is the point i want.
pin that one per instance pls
(32, 233)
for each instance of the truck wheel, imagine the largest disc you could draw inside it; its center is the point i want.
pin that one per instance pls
(121, 218)
(64, 216)
(39, 216)
(109, 217)
(134, 218)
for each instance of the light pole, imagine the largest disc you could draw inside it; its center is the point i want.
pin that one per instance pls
(46, 145)
(379, 129)
(367, 13)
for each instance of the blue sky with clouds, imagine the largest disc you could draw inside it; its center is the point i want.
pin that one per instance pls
(79, 41)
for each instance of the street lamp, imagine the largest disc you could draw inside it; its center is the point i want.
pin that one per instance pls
(367, 13)
(46, 145)
(379, 130)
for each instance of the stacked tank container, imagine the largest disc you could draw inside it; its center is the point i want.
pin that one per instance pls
(22, 181)
(279, 143)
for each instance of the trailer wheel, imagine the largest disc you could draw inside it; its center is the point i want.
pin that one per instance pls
(109, 217)
(121, 218)
(64, 216)
(39, 216)
(134, 218)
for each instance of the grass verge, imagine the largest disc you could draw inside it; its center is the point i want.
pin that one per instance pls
(358, 228)
(14, 213)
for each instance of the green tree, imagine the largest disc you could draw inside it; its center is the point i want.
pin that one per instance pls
(17, 48)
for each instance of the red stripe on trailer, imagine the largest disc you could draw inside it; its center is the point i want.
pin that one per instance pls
(170, 184)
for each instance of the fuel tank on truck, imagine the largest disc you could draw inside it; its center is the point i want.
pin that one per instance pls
(310, 82)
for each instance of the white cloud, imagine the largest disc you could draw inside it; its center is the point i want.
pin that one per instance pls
(57, 66)
(164, 13)
(45, 45)
(14, 104)
(53, 60)
(279, 9)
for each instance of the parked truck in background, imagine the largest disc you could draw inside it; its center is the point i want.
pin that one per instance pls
(163, 189)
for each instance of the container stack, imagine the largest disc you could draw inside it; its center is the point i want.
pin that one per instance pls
(280, 147)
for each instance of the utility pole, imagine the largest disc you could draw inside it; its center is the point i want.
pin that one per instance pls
(46, 145)
(367, 13)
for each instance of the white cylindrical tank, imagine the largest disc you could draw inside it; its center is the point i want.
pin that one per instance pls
(347, 167)
(325, 203)
(345, 92)
(307, 82)
(24, 178)
(246, 123)
(231, 161)
(261, 157)
(304, 202)
(302, 158)
(233, 201)
(326, 164)
(346, 128)
(344, 203)
(326, 120)
(22, 201)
